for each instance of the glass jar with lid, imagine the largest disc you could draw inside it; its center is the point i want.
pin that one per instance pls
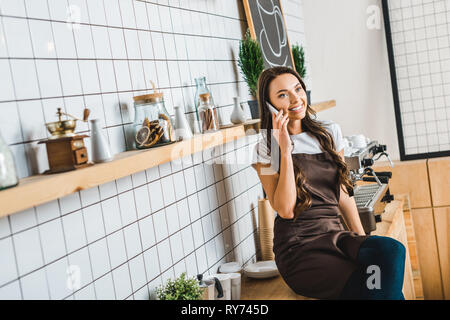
(152, 123)
(201, 88)
(207, 114)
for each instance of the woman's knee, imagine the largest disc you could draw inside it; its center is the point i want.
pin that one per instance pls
(394, 249)
(399, 249)
(386, 248)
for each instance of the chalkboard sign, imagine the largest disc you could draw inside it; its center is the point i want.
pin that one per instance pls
(266, 24)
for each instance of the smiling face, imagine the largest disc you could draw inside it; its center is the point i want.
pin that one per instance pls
(286, 93)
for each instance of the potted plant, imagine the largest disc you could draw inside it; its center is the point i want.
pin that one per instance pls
(181, 288)
(251, 64)
(298, 55)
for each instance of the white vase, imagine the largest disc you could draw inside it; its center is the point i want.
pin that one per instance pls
(182, 127)
(8, 172)
(101, 151)
(238, 115)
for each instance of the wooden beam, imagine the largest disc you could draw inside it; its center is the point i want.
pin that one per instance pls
(322, 106)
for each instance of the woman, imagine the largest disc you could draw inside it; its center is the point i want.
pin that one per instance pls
(306, 181)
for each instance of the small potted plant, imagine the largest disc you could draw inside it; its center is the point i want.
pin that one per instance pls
(251, 64)
(181, 288)
(298, 55)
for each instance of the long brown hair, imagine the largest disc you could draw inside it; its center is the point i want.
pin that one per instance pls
(309, 124)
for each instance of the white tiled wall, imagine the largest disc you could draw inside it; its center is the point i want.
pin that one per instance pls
(293, 16)
(420, 39)
(122, 239)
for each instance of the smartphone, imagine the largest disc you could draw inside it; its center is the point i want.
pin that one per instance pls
(272, 108)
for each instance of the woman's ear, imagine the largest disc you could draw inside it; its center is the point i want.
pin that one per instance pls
(341, 154)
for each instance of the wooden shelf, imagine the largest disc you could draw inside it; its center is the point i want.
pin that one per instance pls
(324, 105)
(39, 189)
(248, 124)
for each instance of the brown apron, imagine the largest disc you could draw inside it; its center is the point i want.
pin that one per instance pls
(315, 255)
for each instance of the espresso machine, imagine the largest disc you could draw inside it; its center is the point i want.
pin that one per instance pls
(371, 198)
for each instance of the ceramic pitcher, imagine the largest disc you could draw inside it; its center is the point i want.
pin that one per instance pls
(238, 115)
(181, 124)
(100, 148)
(8, 172)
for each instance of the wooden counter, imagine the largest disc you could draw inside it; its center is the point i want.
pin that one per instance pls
(392, 225)
(268, 289)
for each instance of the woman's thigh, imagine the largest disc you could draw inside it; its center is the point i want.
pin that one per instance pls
(316, 274)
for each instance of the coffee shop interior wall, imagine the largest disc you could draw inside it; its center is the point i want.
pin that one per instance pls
(122, 239)
(350, 49)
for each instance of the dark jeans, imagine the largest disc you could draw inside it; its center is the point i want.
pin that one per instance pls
(386, 255)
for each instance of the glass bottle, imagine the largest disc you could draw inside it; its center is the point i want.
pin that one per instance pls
(8, 173)
(207, 114)
(201, 88)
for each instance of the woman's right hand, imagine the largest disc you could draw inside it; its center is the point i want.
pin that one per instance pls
(280, 131)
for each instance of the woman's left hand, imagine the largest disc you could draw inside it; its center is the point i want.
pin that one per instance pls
(280, 132)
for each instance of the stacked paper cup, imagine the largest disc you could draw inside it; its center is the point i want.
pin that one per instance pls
(265, 226)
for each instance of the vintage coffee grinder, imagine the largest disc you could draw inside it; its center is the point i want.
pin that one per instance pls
(66, 150)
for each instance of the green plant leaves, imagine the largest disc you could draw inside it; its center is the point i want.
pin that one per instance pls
(298, 55)
(250, 62)
(180, 289)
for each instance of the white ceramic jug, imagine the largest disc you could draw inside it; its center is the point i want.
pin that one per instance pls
(225, 281)
(183, 130)
(238, 115)
(100, 147)
(8, 172)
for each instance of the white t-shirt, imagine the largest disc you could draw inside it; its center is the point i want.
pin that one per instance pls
(303, 143)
